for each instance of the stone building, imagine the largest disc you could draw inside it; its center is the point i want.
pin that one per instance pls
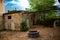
(12, 20)
(1, 13)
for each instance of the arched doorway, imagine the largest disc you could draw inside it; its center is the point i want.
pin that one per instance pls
(56, 23)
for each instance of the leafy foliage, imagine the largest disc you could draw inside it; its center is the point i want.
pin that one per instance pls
(51, 15)
(41, 5)
(9, 11)
(23, 26)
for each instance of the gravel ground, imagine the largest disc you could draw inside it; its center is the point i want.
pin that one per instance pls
(45, 34)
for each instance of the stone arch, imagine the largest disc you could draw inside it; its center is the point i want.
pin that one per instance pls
(54, 24)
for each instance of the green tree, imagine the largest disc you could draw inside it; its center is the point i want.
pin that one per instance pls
(41, 5)
(51, 15)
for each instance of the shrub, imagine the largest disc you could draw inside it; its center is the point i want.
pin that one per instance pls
(24, 26)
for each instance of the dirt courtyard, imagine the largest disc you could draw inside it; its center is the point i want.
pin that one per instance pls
(46, 33)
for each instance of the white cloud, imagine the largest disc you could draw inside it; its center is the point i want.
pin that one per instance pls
(56, 3)
(24, 3)
(21, 3)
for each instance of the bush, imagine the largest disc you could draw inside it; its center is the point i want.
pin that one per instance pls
(23, 26)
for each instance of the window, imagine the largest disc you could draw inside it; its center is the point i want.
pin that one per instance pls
(9, 17)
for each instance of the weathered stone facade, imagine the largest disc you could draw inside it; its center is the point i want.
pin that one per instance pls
(12, 20)
(2, 7)
(13, 23)
(1, 13)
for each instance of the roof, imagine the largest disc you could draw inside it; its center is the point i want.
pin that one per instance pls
(21, 11)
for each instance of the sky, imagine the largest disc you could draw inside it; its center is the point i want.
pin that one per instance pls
(57, 3)
(20, 4)
(16, 4)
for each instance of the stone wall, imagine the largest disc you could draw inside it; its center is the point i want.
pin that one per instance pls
(16, 18)
(1, 22)
(1, 7)
(14, 22)
(1, 13)
(28, 18)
